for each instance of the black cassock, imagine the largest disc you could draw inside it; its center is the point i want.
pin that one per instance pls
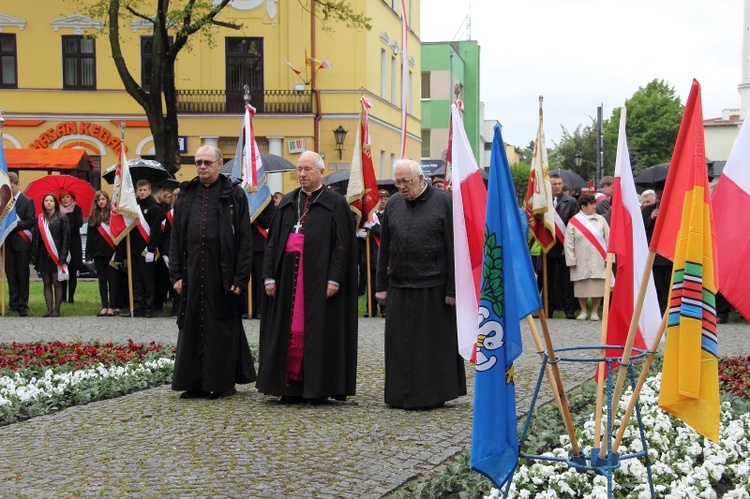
(210, 250)
(329, 360)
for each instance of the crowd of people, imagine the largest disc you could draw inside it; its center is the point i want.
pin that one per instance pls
(299, 268)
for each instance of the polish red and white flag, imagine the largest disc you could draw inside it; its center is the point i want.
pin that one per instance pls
(469, 209)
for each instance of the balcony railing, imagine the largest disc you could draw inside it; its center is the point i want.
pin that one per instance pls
(232, 101)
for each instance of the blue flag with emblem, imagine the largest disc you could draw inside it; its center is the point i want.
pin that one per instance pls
(8, 216)
(508, 293)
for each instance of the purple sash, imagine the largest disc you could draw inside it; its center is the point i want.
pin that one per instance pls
(295, 244)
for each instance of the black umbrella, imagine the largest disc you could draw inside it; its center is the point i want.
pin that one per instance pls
(271, 163)
(388, 184)
(571, 179)
(652, 175)
(169, 183)
(340, 181)
(140, 169)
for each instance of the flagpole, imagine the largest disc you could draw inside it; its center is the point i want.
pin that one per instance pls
(544, 283)
(641, 380)
(558, 386)
(127, 243)
(2, 270)
(540, 349)
(601, 366)
(628, 348)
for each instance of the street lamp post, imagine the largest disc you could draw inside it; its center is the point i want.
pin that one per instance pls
(578, 160)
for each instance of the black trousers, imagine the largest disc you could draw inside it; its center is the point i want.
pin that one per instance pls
(107, 276)
(143, 284)
(560, 287)
(17, 270)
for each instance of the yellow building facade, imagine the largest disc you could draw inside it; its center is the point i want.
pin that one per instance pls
(59, 87)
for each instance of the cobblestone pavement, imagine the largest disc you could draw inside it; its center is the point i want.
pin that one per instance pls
(153, 444)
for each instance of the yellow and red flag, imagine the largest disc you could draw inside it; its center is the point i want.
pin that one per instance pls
(684, 233)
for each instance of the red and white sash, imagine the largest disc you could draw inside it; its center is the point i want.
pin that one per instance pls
(143, 227)
(599, 196)
(263, 231)
(106, 232)
(559, 227)
(25, 234)
(581, 222)
(49, 243)
(167, 220)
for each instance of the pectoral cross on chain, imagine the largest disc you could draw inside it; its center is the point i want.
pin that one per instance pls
(297, 226)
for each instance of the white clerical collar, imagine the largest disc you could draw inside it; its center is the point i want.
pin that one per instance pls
(422, 191)
(308, 194)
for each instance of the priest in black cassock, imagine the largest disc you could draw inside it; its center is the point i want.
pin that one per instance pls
(308, 329)
(415, 280)
(210, 258)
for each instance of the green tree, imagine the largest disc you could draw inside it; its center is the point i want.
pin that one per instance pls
(520, 174)
(174, 23)
(583, 141)
(654, 114)
(527, 153)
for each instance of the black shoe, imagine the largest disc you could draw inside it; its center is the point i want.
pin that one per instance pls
(722, 320)
(318, 401)
(48, 314)
(194, 394)
(23, 311)
(55, 314)
(570, 315)
(220, 395)
(246, 317)
(125, 313)
(291, 399)
(147, 315)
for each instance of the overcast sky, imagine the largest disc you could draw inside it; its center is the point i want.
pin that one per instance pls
(580, 54)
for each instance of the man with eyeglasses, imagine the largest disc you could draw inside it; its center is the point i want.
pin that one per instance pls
(210, 258)
(415, 279)
(308, 328)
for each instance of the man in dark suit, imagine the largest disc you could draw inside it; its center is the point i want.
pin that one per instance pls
(561, 295)
(18, 250)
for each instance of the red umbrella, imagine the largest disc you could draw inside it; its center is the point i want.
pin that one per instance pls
(57, 184)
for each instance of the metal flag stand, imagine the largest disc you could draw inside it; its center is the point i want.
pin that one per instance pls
(604, 466)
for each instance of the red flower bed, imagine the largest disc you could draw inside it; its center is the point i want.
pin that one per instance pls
(78, 355)
(734, 375)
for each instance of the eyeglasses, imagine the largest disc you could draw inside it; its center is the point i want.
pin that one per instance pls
(405, 181)
(207, 162)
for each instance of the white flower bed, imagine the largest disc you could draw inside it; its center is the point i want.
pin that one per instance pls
(684, 463)
(27, 397)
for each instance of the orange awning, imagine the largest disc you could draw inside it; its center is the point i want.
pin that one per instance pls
(49, 159)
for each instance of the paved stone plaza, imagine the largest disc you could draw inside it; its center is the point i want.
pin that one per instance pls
(153, 444)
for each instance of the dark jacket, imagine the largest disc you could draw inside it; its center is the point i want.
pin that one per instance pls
(234, 234)
(567, 207)
(75, 222)
(416, 246)
(96, 245)
(262, 221)
(27, 220)
(60, 231)
(153, 214)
